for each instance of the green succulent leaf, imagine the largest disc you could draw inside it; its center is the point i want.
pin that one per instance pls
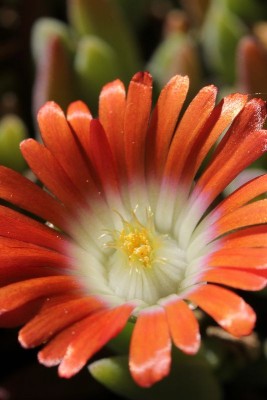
(191, 378)
(220, 35)
(95, 64)
(12, 132)
(103, 18)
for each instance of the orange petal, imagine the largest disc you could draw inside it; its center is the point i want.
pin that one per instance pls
(242, 195)
(16, 253)
(32, 198)
(255, 236)
(55, 349)
(49, 321)
(17, 294)
(244, 257)
(18, 273)
(48, 170)
(15, 225)
(250, 119)
(163, 121)
(112, 103)
(137, 113)
(235, 278)
(79, 118)
(243, 143)
(59, 138)
(229, 310)
(183, 326)
(250, 214)
(220, 118)
(102, 158)
(188, 130)
(150, 349)
(99, 329)
(20, 315)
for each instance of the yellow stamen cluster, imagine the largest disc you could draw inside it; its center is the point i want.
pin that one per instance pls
(136, 244)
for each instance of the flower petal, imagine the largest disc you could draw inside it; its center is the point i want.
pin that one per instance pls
(20, 273)
(244, 257)
(186, 133)
(250, 214)
(112, 103)
(98, 330)
(241, 196)
(103, 160)
(15, 225)
(32, 198)
(229, 310)
(254, 236)
(55, 349)
(150, 349)
(163, 121)
(20, 315)
(49, 171)
(50, 321)
(17, 294)
(137, 113)
(14, 252)
(79, 118)
(183, 326)
(222, 115)
(243, 144)
(235, 278)
(59, 138)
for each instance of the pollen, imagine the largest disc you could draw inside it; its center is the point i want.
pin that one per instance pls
(136, 244)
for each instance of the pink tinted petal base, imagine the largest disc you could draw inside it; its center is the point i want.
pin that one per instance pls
(150, 349)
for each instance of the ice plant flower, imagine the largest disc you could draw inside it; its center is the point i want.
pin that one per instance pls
(132, 226)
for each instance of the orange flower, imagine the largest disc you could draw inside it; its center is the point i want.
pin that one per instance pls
(130, 225)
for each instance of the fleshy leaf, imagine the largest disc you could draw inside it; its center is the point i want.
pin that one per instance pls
(46, 29)
(104, 19)
(95, 64)
(54, 75)
(12, 132)
(191, 378)
(177, 54)
(251, 65)
(220, 34)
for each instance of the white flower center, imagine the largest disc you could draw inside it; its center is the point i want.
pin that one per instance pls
(134, 260)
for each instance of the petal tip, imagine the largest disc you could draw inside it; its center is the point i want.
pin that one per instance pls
(142, 77)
